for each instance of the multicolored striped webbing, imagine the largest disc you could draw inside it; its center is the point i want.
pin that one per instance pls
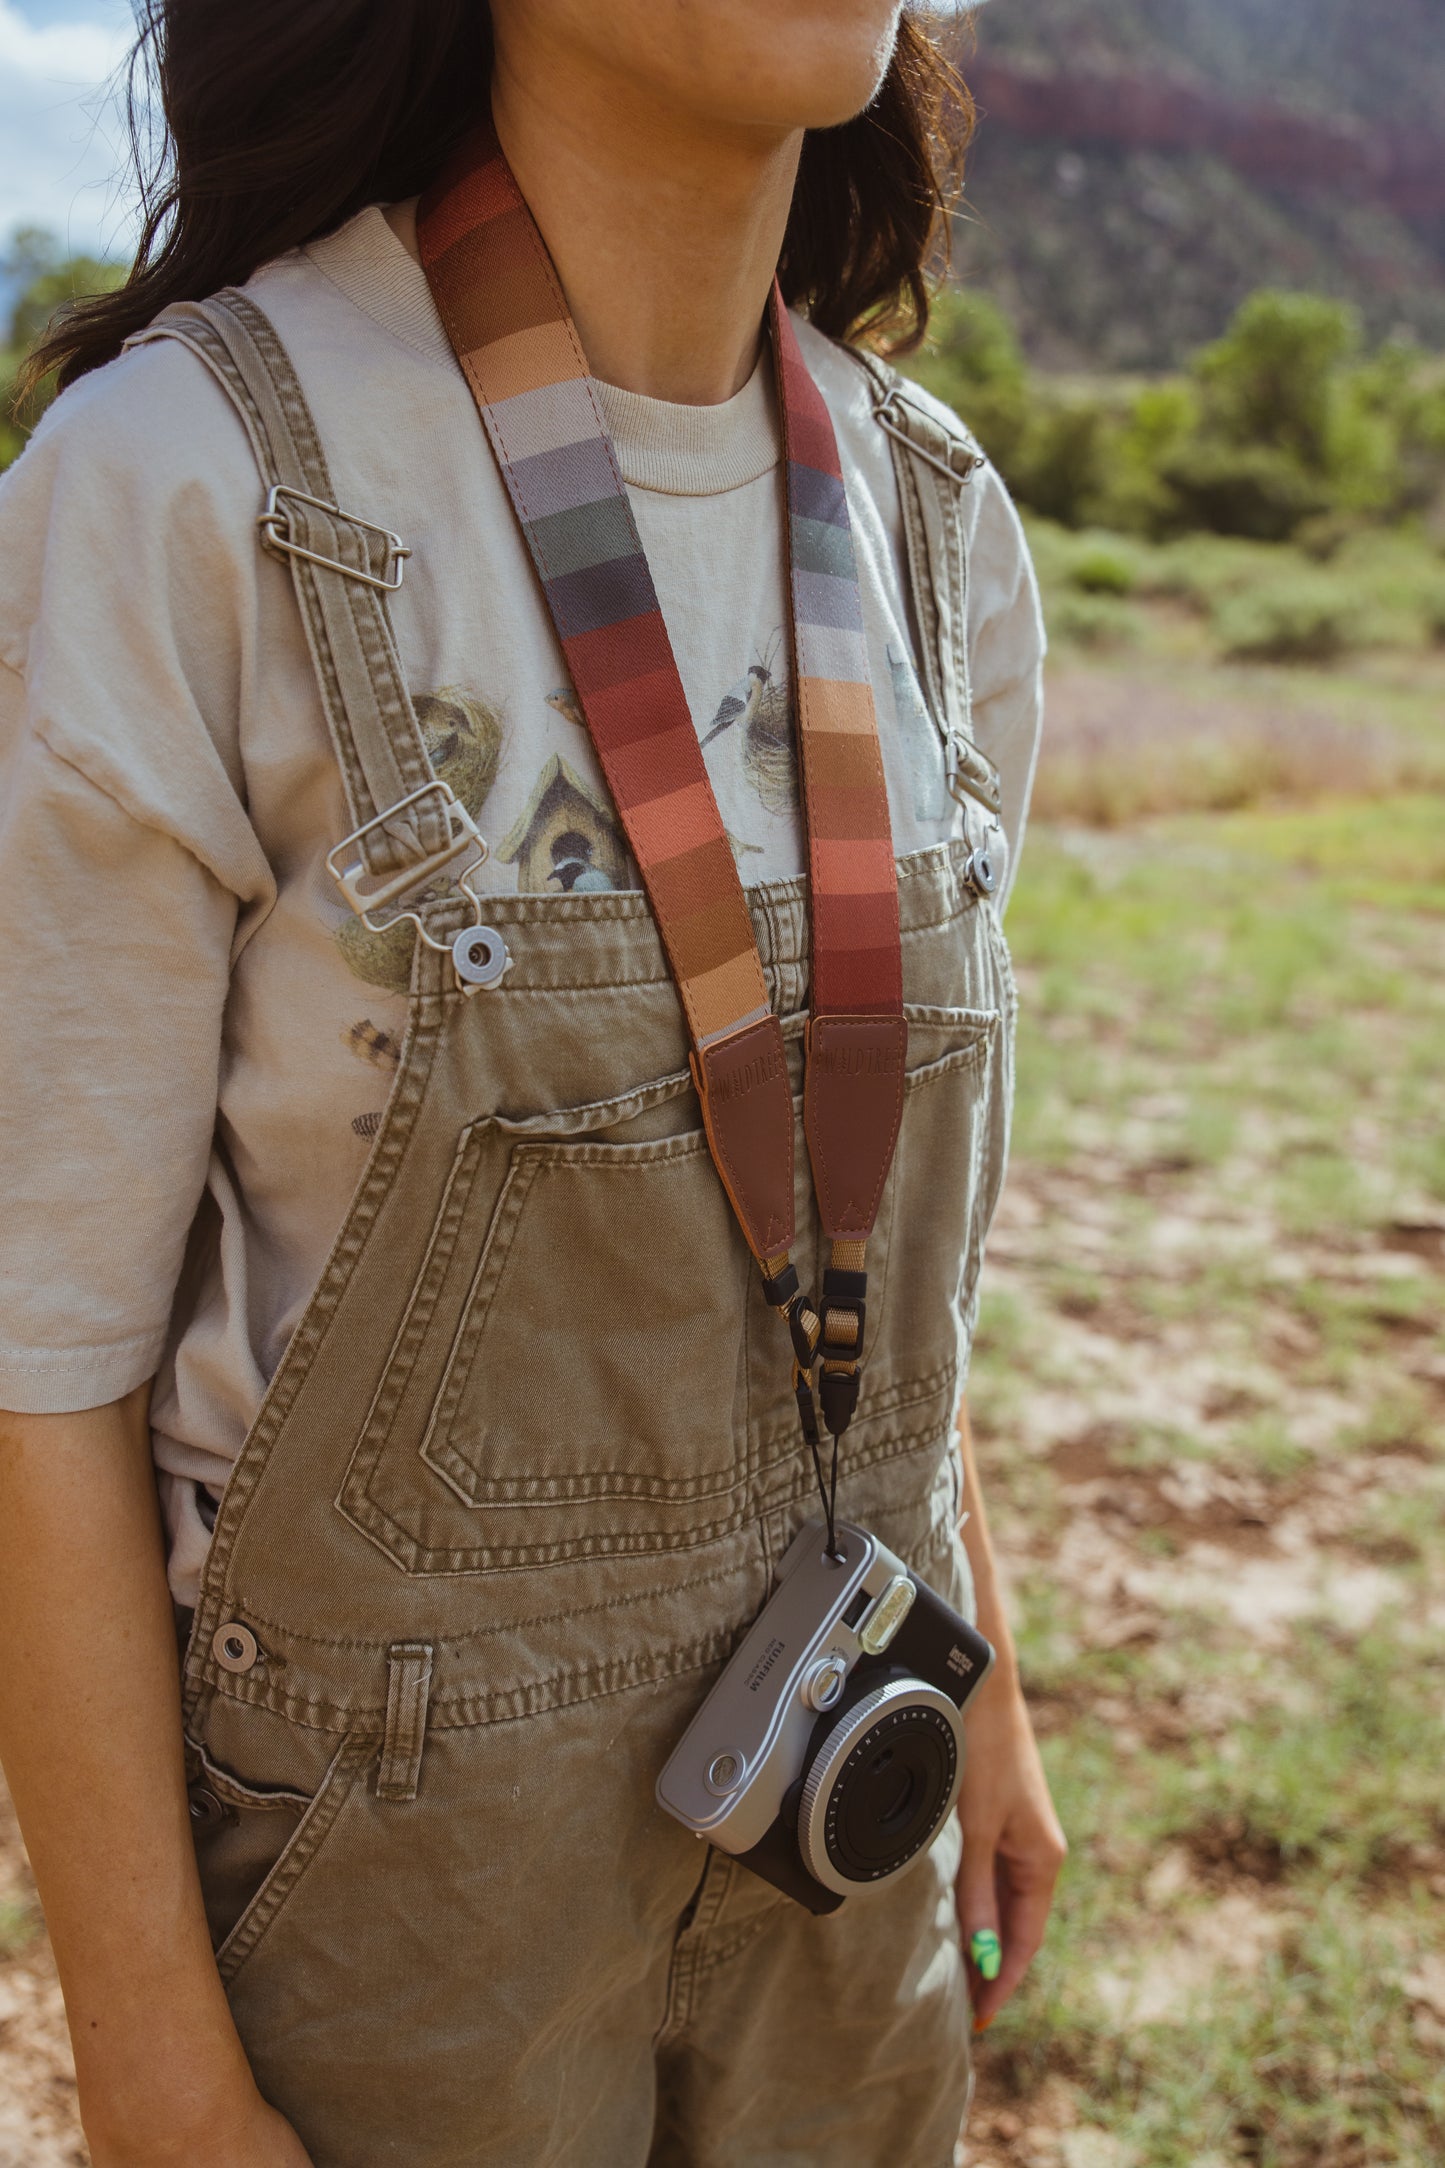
(505, 312)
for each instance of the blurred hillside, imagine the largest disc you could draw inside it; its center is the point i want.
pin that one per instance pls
(1142, 165)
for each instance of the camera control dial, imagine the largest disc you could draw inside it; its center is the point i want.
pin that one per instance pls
(823, 1687)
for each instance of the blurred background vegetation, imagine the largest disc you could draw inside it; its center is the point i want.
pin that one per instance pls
(38, 277)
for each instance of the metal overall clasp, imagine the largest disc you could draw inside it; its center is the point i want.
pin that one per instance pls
(275, 526)
(479, 954)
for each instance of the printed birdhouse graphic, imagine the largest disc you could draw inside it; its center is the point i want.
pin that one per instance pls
(565, 839)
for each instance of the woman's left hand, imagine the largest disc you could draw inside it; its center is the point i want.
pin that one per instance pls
(1013, 1847)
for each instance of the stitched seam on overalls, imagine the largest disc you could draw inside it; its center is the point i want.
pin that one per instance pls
(468, 1712)
(685, 1970)
(799, 1484)
(387, 1154)
(525, 1624)
(424, 1561)
(779, 1442)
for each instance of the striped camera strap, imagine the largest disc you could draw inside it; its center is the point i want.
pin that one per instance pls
(506, 315)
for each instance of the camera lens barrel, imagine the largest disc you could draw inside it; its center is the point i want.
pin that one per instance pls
(880, 1785)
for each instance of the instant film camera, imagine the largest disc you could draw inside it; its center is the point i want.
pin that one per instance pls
(829, 1754)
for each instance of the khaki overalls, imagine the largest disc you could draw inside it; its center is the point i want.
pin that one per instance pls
(519, 1483)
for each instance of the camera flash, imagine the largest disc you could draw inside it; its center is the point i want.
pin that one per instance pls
(887, 1615)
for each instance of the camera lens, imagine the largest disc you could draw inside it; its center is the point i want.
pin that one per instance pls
(881, 1785)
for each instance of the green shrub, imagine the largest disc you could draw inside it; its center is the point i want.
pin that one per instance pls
(1200, 568)
(1158, 420)
(1059, 467)
(1241, 489)
(1304, 617)
(1102, 566)
(1324, 534)
(1404, 390)
(1274, 378)
(1280, 431)
(1093, 621)
(974, 363)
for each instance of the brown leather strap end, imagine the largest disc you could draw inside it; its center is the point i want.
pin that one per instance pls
(747, 1110)
(852, 1105)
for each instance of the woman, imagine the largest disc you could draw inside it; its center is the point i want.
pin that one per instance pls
(464, 1503)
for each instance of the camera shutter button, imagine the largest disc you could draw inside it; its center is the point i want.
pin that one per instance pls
(825, 1682)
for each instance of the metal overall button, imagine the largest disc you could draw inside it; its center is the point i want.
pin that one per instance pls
(235, 1647)
(979, 873)
(206, 1809)
(480, 956)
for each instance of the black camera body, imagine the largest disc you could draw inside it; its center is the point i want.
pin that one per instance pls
(829, 1754)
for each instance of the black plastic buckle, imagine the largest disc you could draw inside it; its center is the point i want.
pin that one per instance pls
(845, 1292)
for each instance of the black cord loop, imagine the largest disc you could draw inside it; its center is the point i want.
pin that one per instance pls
(829, 1338)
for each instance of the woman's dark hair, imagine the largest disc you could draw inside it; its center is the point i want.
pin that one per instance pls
(284, 117)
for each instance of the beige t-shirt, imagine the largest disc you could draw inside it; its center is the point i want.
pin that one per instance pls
(199, 1037)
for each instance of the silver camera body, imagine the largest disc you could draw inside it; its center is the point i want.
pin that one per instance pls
(829, 1754)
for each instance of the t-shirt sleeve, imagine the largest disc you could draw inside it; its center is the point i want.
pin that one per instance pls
(116, 953)
(1007, 645)
(128, 868)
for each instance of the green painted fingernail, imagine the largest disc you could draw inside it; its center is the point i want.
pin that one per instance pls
(987, 1953)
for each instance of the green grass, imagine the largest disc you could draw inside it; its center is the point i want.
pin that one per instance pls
(1217, 1445)
(1278, 961)
(1381, 588)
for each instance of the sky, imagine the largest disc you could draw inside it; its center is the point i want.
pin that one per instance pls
(61, 138)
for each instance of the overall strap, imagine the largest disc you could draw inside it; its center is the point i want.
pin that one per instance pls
(934, 463)
(343, 567)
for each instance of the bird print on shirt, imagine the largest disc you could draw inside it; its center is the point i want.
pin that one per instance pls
(563, 701)
(739, 704)
(755, 716)
(567, 839)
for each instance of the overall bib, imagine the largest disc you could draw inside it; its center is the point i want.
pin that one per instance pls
(520, 1483)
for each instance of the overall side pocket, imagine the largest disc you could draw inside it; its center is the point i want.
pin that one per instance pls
(310, 1824)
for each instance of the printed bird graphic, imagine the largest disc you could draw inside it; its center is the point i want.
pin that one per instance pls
(741, 702)
(564, 701)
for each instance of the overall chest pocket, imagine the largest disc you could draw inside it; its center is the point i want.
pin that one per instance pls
(570, 1377)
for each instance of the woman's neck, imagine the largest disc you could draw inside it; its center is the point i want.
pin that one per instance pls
(665, 233)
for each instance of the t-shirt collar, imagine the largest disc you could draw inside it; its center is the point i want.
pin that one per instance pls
(681, 451)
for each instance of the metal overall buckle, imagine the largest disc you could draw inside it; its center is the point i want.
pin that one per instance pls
(478, 952)
(275, 529)
(962, 462)
(979, 868)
